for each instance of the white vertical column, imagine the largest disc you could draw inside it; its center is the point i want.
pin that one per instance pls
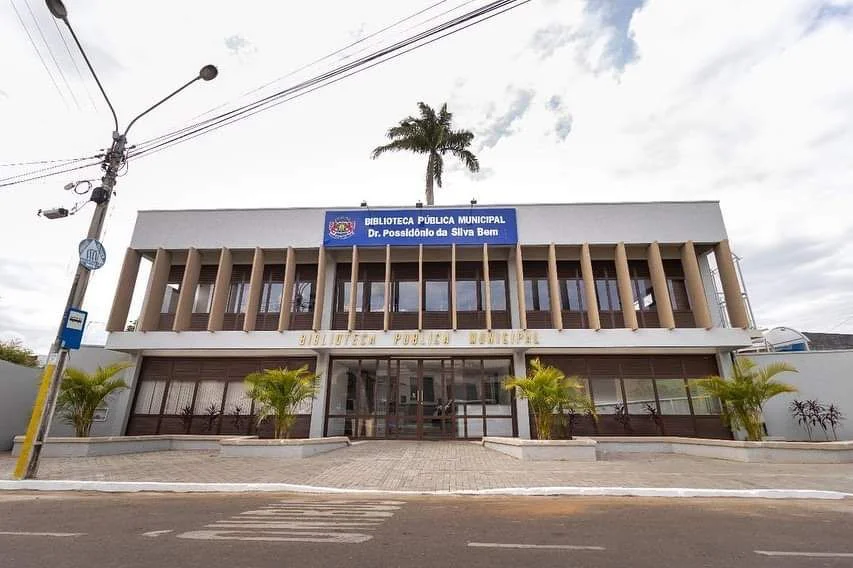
(353, 289)
(318, 406)
(420, 287)
(522, 409)
(386, 307)
(487, 285)
(453, 299)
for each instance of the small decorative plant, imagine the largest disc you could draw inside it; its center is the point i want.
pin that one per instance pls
(237, 416)
(811, 414)
(187, 416)
(622, 417)
(834, 418)
(800, 411)
(655, 416)
(212, 412)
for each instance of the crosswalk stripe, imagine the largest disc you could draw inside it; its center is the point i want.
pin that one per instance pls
(279, 536)
(338, 521)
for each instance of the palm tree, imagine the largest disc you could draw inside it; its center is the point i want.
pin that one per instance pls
(548, 389)
(743, 396)
(81, 393)
(278, 392)
(431, 134)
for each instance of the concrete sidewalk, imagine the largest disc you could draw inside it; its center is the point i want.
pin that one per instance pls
(443, 466)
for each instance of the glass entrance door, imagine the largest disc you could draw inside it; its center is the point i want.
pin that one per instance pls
(422, 401)
(419, 398)
(438, 405)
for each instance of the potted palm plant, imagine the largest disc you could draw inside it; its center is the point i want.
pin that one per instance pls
(82, 393)
(743, 395)
(548, 389)
(278, 392)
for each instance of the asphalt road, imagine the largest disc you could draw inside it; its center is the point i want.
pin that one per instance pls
(126, 530)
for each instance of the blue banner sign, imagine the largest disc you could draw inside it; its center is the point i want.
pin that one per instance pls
(401, 227)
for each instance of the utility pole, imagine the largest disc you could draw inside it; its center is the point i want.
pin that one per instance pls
(45, 405)
(112, 162)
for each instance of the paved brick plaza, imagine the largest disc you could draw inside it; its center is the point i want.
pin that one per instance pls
(443, 466)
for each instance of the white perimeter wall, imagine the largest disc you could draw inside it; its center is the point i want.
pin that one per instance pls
(823, 375)
(18, 387)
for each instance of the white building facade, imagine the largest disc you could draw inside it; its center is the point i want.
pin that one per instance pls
(413, 317)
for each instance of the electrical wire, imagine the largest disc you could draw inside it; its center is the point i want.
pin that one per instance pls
(36, 49)
(36, 162)
(455, 25)
(48, 168)
(484, 9)
(74, 62)
(259, 108)
(323, 58)
(52, 56)
(56, 173)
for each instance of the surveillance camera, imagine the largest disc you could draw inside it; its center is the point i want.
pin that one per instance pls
(55, 213)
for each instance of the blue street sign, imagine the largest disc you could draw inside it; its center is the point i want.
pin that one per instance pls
(72, 329)
(401, 227)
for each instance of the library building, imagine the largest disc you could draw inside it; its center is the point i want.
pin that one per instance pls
(413, 318)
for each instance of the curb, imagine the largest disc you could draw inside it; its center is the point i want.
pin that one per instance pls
(179, 487)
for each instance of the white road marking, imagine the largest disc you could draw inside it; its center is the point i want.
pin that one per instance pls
(338, 521)
(156, 533)
(280, 536)
(24, 533)
(289, 525)
(807, 554)
(535, 546)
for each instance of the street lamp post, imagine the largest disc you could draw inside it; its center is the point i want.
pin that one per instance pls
(28, 462)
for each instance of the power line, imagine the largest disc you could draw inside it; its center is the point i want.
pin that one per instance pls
(36, 49)
(386, 54)
(47, 169)
(323, 58)
(36, 162)
(74, 62)
(50, 51)
(56, 173)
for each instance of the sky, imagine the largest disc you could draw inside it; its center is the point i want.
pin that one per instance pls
(748, 103)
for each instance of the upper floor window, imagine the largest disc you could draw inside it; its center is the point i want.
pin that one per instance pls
(170, 298)
(606, 288)
(370, 287)
(304, 288)
(571, 285)
(404, 287)
(238, 296)
(203, 298)
(173, 290)
(272, 290)
(405, 296)
(436, 295)
(537, 295)
(471, 287)
(677, 286)
(204, 289)
(641, 286)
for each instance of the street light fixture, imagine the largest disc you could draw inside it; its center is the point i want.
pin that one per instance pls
(27, 466)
